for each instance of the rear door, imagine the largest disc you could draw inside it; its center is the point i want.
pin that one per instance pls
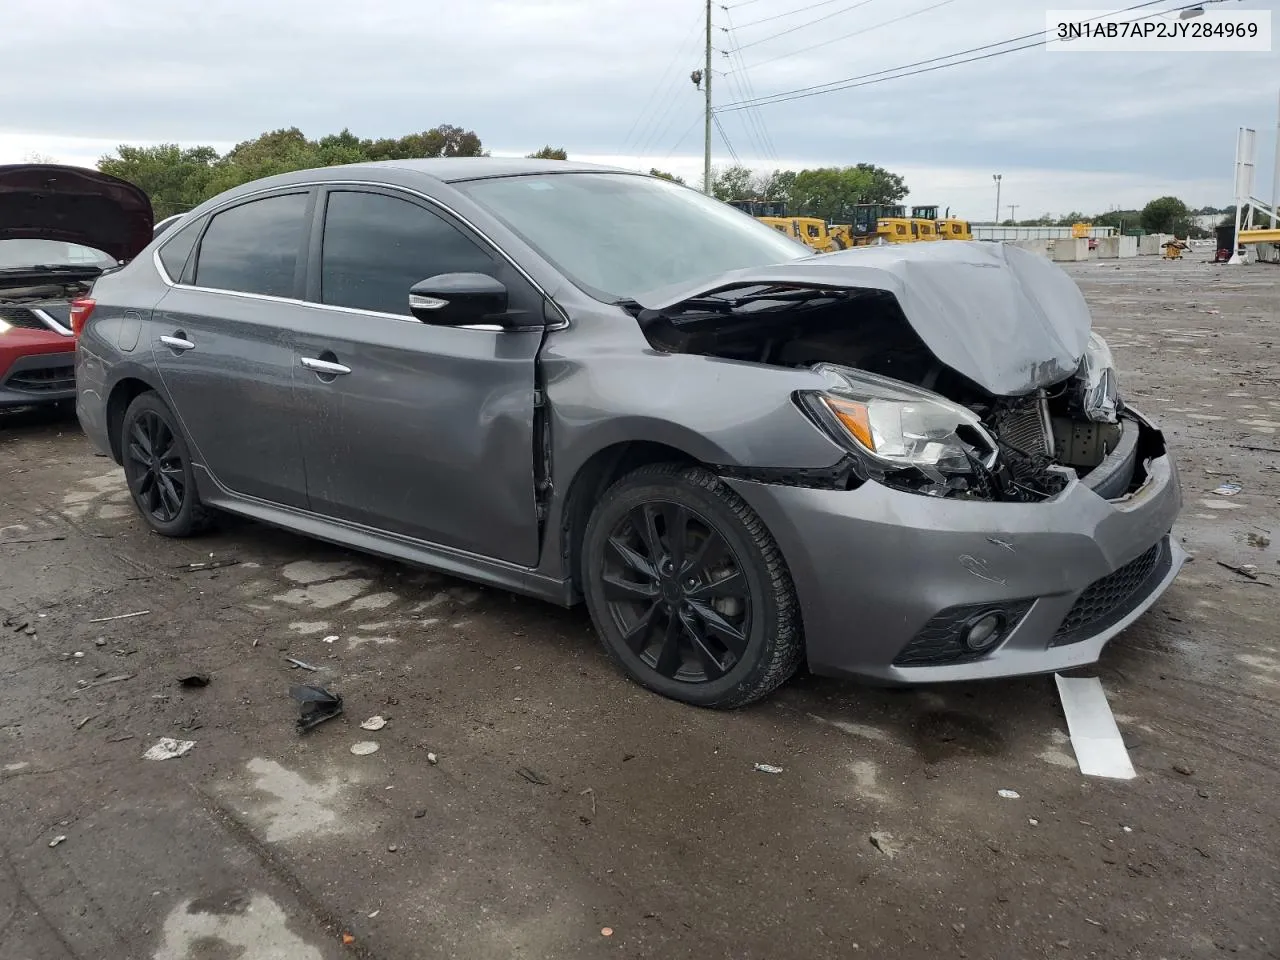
(426, 431)
(221, 341)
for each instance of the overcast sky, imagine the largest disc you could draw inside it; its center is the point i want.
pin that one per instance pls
(609, 80)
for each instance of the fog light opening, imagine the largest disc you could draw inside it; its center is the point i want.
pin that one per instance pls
(984, 630)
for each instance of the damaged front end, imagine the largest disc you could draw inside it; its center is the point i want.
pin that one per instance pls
(908, 420)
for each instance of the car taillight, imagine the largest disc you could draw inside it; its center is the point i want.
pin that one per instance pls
(80, 310)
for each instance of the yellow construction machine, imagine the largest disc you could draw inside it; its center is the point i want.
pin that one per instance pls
(924, 222)
(953, 228)
(813, 232)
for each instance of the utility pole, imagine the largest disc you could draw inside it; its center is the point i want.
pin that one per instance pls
(1013, 211)
(706, 133)
(1275, 177)
(996, 177)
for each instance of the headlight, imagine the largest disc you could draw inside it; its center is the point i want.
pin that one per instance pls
(1099, 393)
(898, 426)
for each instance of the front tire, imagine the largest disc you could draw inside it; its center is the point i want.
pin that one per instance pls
(688, 590)
(157, 467)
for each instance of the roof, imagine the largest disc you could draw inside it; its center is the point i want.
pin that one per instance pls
(453, 169)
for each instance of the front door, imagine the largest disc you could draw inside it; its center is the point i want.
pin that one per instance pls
(425, 431)
(220, 339)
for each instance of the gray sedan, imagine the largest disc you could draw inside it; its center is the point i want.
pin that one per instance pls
(905, 463)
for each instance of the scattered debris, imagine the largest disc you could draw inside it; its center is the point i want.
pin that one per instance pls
(419, 813)
(606, 931)
(100, 642)
(374, 723)
(302, 664)
(432, 759)
(118, 678)
(347, 939)
(211, 565)
(1010, 794)
(1227, 489)
(1033, 821)
(120, 739)
(331, 638)
(194, 680)
(5, 543)
(121, 616)
(318, 705)
(1249, 570)
(885, 843)
(1259, 540)
(533, 776)
(1183, 769)
(364, 748)
(1127, 829)
(392, 848)
(592, 792)
(57, 840)
(374, 914)
(1100, 750)
(166, 748)
(79, 655)
(768, 768)
(80, 725)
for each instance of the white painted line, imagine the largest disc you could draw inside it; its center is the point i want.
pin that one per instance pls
(1100, 751)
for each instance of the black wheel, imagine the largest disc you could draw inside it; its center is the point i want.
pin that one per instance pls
(157, 466)
(688, 590)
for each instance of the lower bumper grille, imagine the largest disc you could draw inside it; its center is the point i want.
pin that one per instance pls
(941, 640)
(21, 318)
(43, 379)
(1107, 600)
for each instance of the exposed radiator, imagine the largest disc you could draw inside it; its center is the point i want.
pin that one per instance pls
(1027, 427)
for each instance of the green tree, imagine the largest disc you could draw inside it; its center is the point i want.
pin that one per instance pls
(655, 172)
(778, 185)
(549, 153)
(175, 178)
(733, 183)
(1165, 215)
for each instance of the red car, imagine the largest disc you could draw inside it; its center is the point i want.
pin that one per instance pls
(60, 228)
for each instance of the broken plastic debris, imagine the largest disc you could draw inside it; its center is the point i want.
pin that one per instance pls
(1033, 821)
(331, 638)
(364, 748)
(1099, 748)
(768, 768)
(1009, 794)
(56, 840)
(432, 758)
(302, 664)
(1227, 489)
(166, 748)
(374, 723)
(348, 939)
(121, 616)
(318, 705)
(885, 843)
(194, 680)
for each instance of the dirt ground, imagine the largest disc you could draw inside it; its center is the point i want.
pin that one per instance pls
(632, 813)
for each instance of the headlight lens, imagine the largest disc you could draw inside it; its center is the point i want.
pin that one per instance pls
(900, 426)
(1099, 391)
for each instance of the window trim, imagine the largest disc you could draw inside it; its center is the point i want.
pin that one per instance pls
(314, 185)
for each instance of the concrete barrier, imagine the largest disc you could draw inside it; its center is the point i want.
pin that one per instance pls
(1035, 246)
(1114, 248)
(1070, 249)
(1152, 245)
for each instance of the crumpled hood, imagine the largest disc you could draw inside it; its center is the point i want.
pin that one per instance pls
(1006, 318)
(41, 201)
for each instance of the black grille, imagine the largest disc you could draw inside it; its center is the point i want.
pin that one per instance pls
(941, 640)
(22, 317)
(43, 379)
(1107, 600)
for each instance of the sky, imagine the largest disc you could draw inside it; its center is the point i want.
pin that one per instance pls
(609, 81)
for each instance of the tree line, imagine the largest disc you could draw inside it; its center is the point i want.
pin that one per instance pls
(1161, 215)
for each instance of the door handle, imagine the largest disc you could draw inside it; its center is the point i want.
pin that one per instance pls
(324, 366)
(180, 344)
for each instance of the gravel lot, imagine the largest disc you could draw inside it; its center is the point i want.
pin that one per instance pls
(632, 813)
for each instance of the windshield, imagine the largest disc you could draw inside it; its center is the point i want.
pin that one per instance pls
(618, 236)
(51, 253)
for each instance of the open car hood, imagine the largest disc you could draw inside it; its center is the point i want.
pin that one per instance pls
(1006, 318)
(41, 201)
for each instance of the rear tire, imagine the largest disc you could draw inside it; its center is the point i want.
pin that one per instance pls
(688, 590)
(157, 467)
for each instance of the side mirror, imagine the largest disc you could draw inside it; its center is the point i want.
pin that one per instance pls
(458, 299)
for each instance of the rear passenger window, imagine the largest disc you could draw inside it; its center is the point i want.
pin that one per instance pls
(376, 247)
(175, 250)
(254, 248)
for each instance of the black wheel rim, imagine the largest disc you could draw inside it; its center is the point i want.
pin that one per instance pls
(156, 474)
(677, 592)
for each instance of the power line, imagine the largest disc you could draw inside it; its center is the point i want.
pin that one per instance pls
(779, 16)
(809, 23)
(855, 33)
(684, 136)
(665, 83)
(743, 80)
(725, 137)
(850, 82)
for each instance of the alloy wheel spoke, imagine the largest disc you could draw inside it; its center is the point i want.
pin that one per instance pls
(711, 664)
(637, 637)
(669, 659)
(709, 555)
(645, 519)
(734, 585)
(634, 560)
(138, 455)
(720, 628)
(617, 590)
(169, 496)
(142, 437)
(675, 523)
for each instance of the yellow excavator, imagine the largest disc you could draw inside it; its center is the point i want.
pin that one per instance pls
(953, 228)
(813, 232)
(924, 223)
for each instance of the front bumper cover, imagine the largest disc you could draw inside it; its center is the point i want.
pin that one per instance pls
(874, 567)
